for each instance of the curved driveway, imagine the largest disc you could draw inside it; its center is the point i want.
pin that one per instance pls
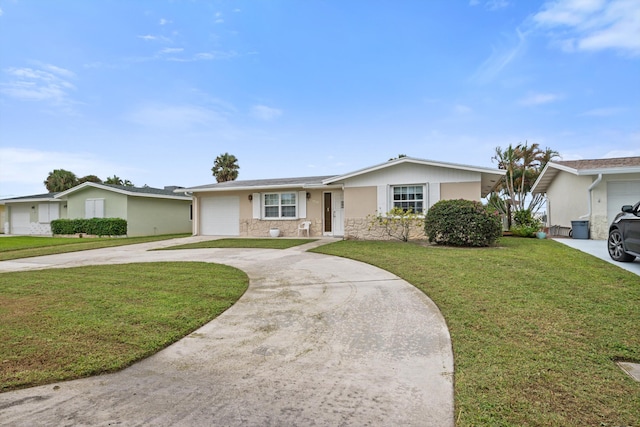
(315, 341)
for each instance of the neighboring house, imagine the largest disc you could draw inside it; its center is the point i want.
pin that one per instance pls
(148, 211)
(592, 190)
(339, 205)
(31, 215)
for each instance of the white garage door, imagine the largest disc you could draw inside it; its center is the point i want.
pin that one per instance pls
(220, 216)
(621, 193)
(20, 216)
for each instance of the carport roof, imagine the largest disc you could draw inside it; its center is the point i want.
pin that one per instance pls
(585, 167)
(46, 197)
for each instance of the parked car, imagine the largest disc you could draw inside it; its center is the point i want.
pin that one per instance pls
(624, 234)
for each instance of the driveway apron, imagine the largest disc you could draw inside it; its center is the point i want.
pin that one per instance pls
(316, 340)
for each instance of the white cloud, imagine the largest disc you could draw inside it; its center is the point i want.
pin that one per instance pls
(164, 21)
(491, 4)
(539, 98)
(603, 112)
(263, 112)
(462, 109)
(496, 4)
(500, 58)
(622, 153)
(171, 50)
(174, 116)
(47, 84)
(593, 24)
(26, 169)
(147, 37)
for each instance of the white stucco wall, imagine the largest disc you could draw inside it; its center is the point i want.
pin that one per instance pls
(567, 198)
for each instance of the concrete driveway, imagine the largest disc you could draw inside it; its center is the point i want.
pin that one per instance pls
(316, 340)
(598, 248)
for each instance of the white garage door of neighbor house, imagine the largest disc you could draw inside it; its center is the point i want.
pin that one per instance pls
(621, 193)
(220, 216)
(20, 216)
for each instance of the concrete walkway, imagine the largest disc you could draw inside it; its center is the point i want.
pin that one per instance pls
(316, 340)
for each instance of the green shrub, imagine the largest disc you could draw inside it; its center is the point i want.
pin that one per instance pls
(525, 224)
(462, 223)
(94, 226)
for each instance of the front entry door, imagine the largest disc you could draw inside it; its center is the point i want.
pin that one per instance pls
(328, 214)
(333, 215)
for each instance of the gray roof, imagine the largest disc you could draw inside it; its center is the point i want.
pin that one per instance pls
(301, 182)
(143, 190)
(585, 167)
(617, 162)
(34, 197)
(123, 189)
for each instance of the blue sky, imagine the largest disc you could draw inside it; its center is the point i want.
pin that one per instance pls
(152, 91)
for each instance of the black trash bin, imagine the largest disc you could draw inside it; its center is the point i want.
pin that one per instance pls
(580, 229)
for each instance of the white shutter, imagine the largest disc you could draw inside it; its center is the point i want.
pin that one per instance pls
(99, 208)
(256, 205)
(302, 204)
(54, 211)
(383, 200)
(43, 212)
(94, 208)
(89, 209)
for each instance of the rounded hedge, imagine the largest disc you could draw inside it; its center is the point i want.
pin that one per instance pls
(462, 223)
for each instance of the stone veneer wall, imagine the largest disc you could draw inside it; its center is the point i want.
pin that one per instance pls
(360, 228)
(288, 228)
(598, 227)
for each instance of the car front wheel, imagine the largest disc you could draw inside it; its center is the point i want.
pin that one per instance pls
(616, 249)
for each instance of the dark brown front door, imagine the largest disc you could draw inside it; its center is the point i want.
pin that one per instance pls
(328, 213)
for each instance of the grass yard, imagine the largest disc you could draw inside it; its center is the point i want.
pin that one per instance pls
(245, 243)
(61, 324)
(15, 247)
(536, 328)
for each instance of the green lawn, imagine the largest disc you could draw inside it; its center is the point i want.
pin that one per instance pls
(536, 328)
(245, 243)
(61, 324)
(15, 247)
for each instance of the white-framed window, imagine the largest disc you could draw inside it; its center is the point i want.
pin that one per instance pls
(408, 197)
(280, 205)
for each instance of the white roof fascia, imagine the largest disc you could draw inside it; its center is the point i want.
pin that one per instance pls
(415, 161)
(26, 200)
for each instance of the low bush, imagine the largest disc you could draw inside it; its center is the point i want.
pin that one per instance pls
(462, 223)
(525, 224)
(93, 226)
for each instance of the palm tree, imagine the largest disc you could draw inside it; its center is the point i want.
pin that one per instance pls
(523, 164)
(114, 180)
(60, 180)
(90, 178)
(225, 168)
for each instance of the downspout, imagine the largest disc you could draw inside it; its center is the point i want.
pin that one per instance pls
(589, 190)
